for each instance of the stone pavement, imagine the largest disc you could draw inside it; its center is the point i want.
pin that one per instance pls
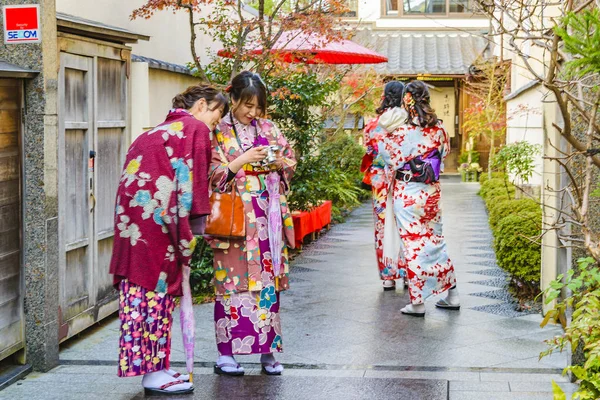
(344, 338)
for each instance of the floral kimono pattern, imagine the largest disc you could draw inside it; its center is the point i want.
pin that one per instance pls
(417, 211)
(241, 265)
(247, 306)
(378, 175)
(248, 323)
(146, 317)
(164, 183)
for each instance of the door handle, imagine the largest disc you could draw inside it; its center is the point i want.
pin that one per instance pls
(91, 165)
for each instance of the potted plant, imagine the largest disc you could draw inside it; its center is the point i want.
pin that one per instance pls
(470, 172)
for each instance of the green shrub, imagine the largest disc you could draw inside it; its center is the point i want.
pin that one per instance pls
(491, 185)
(201, 270)
(498, 194)
(517, 250)
(518, 159)
(463, 158)
(333, 175)
(583, 332)
(504, 208)
(483, 178)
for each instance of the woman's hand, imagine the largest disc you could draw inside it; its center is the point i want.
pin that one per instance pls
(255, 154)
(279, 162)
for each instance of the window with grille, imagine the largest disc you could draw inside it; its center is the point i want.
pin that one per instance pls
(428, 7)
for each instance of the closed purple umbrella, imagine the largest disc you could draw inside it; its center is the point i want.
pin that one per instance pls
(186, 317)
(274, 221)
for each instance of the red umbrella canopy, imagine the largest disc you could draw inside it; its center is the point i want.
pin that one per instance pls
(299, 47)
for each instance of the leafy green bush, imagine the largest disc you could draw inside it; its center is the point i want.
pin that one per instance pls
(504, 208)
(491, 185)
(328, 168)
(518, 159)
(201, 270)
(463, 158)
(497, 195)
(333, 175)
(583, 283)
(517, 250)
(483, 178)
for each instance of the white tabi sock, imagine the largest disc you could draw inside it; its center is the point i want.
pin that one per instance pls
(414, 309)
(223, 360)
(453, 299)
(154, 380)
(268, 361)
(175, 374)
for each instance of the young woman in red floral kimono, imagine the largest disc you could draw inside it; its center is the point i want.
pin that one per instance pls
(250, 272)
(422, 141)
(163, 186)
(378, 176)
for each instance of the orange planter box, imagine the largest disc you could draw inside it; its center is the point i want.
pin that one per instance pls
(307, 222)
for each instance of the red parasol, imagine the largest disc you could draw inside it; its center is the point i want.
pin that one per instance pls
(299, 47)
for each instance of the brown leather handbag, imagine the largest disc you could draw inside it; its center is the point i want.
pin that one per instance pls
(227, 216)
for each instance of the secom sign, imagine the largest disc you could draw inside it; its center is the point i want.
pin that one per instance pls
(22, 24)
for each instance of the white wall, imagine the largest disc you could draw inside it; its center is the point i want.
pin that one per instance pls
(152, 94)
(140, 98)
(164, 86)
(170, 33)
(369, 10)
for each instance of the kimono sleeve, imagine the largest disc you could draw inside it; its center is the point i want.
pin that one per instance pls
(219, 167)
(201, 165)
(392, 149)
(289, 160)
(444, 148)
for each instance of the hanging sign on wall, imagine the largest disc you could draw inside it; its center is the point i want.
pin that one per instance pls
(22, 24)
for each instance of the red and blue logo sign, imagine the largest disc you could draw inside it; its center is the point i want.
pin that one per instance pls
(22, 24)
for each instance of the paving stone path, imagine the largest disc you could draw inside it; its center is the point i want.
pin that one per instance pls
(344, 338)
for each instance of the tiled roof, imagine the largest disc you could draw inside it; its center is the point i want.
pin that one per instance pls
(87, 27)
(349, 122)
(414, 53)
(159, 64)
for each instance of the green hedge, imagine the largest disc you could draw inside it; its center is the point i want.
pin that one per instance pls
(503, 208)
(483, 178)
(516, 224)
(202, 271)
(494, 184)
(498, 194)
(517, 251)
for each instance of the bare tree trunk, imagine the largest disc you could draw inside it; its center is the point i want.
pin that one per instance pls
(193, 37)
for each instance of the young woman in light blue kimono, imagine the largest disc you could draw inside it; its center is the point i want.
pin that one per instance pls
(416, 200)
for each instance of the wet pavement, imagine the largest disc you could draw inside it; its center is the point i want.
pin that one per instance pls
(344, 338)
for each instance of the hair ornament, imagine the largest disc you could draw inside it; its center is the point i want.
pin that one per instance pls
(409, 100)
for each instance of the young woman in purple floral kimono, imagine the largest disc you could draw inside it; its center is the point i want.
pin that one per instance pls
(250, 272)
(416, 201)
(164, 185)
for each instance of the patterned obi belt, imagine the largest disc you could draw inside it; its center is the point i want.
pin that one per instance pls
(255, 180)
(256, 170)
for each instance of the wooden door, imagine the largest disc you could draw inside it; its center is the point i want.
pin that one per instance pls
(93, 115)
(11, 302)
(109, 143)
(75, 186)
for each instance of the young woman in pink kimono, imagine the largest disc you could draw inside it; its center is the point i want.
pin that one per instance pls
(378, 176)
(251, 272)
(416, 194)
(164, 185)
